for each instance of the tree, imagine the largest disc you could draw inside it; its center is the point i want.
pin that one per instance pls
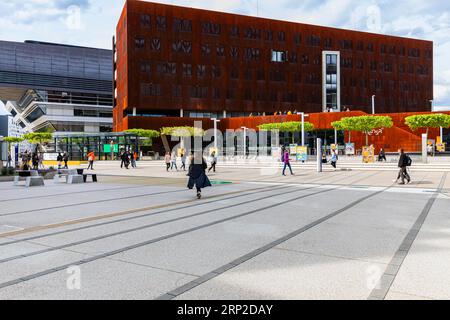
(38, 138)
(182, 131)
(291, 126)
(146, 135)
(427, 121)
(363, 124)
(12, 140)
(343, 125)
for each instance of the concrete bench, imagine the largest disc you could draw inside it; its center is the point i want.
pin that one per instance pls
(73, 177)
(93, 175)
(32, 178)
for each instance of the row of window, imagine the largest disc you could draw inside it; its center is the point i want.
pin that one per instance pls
(212, 28)
(215, 71)
(203, 92)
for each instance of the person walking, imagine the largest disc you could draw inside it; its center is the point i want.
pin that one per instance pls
(91, 158)
(132, 159)
(174, 162)
(382, 155)
(197, 174)
(167, 160)
(9, 165)
(41, 161)
(403, 162)
(125, 160)
(66, 160)
(334, 158)
(59, 159)
(35, 161)
(183, 161)
(213, 162)
(287, 162)
(122, 157)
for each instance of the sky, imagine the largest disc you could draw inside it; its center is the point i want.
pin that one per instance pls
(92, 22)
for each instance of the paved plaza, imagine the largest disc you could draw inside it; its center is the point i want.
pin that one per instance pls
(141, 234)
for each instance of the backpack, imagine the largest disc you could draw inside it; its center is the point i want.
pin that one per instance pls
(408, 161)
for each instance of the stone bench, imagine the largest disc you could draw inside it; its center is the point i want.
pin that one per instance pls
(32, 178)
(93, 175)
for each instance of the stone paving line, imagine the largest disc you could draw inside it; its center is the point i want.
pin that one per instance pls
(151, 241)
(126, 212)
(206, 277)
(122, 232)
(388, 277)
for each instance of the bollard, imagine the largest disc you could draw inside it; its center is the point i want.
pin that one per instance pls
(319, 155)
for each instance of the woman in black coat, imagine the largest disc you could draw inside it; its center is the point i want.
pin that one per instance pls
(197, 175)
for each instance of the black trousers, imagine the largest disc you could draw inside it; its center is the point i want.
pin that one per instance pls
(403, 173)
(213, 167)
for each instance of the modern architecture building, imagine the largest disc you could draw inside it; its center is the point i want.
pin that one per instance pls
(54, 87)
(174, 62)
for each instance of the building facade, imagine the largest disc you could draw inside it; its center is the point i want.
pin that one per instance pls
(54, 87)
(173, 61)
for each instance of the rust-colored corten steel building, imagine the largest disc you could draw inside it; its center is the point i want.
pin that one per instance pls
(173, 61)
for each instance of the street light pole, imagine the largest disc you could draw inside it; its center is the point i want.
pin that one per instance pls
(303, 127)
(245, 141)
(215, 132)
(373, 104)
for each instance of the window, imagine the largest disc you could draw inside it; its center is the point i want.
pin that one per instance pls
(328, 43)
(182, 46)
(187, 70)
(199, 92)
(234, 31)
(139, 43)
(297, 38)
(252, 54)
(216, 71)
(373, 66)
(206, 50)
(305, 59)
(145, 20)
(414, 53)
(234, 53)
(370, 47)
(293, 57)
(216, 93)
(279, 56)
(220, 50)
(260, 75)
(248, 74)
(268, 35)
(347, 44)
(201, 71)
(211, 28)
(277, 76)
(234, 74)
(150, 90)
(176, 91)
(252, 33)
(156, 44)
(161, 23)
(281, 36)
(313, 41)
(182, 25)
(145, 66)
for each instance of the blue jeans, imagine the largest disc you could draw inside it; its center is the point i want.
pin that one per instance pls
(287, 165)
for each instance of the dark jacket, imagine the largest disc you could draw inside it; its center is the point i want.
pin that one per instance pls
(402, 162)
(197, 176)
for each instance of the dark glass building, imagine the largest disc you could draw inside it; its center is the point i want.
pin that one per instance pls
(182, 62)
(57, 87)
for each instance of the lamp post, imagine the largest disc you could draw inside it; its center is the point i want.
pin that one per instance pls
(245, 141)
(303, 127)
(373, 104)
(215, 132)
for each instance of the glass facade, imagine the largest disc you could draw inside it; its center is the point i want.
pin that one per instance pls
(331, 82)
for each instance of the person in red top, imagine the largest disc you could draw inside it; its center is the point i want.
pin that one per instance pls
(91, 158)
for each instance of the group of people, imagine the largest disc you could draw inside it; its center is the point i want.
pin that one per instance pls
(62, 158)
(31, 160)
(171, 161)
(127, 157)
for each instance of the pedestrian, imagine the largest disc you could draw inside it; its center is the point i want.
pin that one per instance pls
(132, 160)
(122, 157)
(213, 162)
(91, 158)
(183, 161)
(167, 160)
(334, 158)
(41, 161)
(59, 159)
(382, 155)
(9, 160)
(66, 160)
(174, 162)
(125, 160)
(197, 174)
(35, 161)
(287, 162)
(403, 162)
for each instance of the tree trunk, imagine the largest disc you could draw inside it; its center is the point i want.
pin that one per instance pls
(367, 139)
